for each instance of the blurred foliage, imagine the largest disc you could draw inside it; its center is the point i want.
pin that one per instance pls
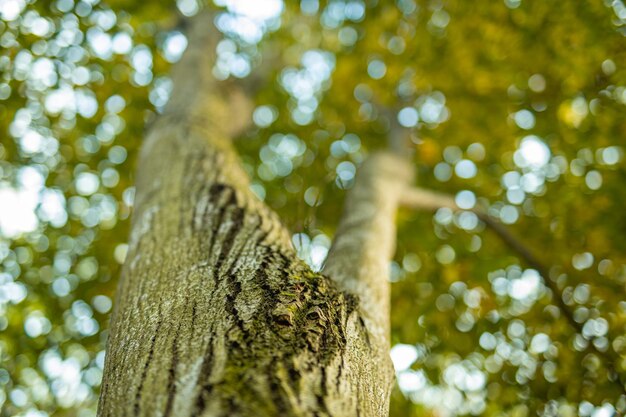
(516, 106)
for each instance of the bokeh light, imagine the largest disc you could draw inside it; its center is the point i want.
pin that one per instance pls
(524, 133)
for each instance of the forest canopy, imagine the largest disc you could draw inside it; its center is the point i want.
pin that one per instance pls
(514, 108)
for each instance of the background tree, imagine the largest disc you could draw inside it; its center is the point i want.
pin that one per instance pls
(515, 110)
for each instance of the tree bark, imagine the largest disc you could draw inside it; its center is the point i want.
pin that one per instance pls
(215, 315)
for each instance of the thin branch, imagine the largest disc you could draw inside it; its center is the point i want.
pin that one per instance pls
(420, 198)
(423, 199)
(428, 200)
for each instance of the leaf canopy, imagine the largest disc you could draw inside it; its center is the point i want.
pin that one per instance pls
(515, 106)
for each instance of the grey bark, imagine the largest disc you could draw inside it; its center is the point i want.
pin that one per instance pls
(215, 315)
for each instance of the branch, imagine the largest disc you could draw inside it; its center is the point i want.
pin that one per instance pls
(365, 241)
(419, 198)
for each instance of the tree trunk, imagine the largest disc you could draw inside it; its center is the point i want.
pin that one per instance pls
(215, 315)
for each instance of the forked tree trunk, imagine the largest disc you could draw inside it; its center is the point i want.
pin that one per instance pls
(215, 315)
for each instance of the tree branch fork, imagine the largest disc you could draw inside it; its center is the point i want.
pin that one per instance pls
(215, 315)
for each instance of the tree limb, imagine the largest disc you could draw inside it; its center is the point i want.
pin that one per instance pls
(419, 198)
(359, 257)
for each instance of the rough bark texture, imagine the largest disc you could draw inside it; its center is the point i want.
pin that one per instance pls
(215, 315)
